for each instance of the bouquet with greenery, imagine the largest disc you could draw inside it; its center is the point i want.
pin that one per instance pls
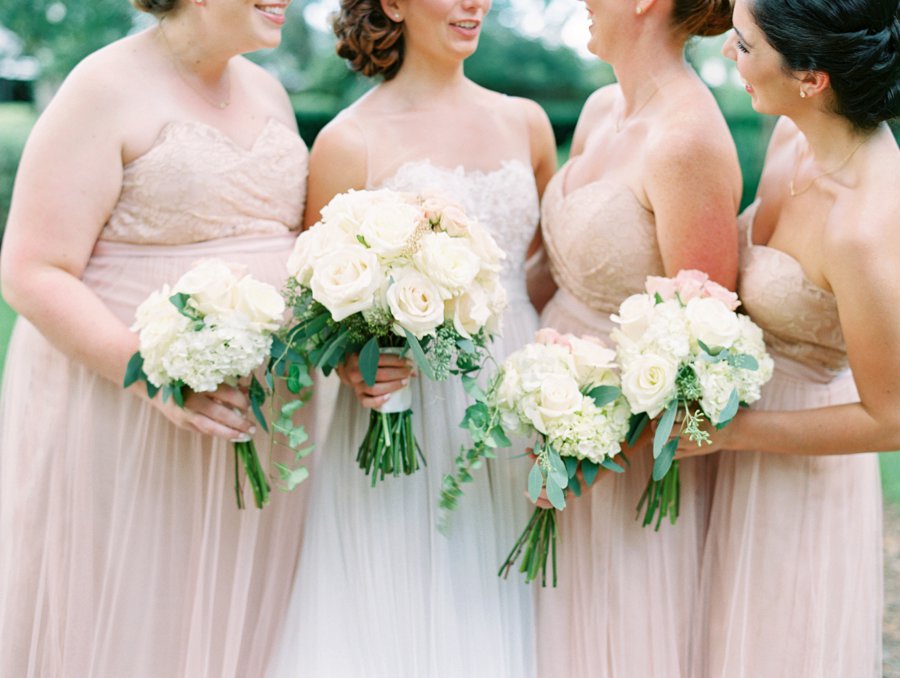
(393, 272)
(681, 347)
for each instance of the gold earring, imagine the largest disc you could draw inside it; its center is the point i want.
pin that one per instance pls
(802, 94)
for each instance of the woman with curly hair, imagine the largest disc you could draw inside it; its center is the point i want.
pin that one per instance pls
(379, 592)
(123, 553)
(792, 573)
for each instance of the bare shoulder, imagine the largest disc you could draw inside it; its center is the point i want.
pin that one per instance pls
(341, 139)
(264, 86)
(599, 104)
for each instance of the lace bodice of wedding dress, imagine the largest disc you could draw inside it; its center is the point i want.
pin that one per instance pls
(196, 184)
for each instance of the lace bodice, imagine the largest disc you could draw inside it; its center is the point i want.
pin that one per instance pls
(601, 241)
(195, 184)
(504, 201)
(799, 318)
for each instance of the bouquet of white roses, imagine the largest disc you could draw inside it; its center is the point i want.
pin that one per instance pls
(213, 326)
(681, 347)
(564, 391)
(393, 272)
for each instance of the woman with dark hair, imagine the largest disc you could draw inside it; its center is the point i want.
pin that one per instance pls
(380, 593)
(652, 187)
(792, 572)
(123, 553)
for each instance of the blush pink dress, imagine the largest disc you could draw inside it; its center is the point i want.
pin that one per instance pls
(626, 596)
(792, 571)
(123, 553)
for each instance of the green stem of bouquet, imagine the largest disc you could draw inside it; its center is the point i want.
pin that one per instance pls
(536, 545)
(245, 455)
(662, 498)
(389, 446)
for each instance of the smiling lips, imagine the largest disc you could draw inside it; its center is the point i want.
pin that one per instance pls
(468, 27)
(274, 12)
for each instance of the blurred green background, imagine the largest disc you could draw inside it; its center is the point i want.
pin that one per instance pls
(531, 48)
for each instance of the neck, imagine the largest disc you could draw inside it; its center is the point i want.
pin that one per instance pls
(831, 138)
(422, 79)
(189, 44)
(653, 60)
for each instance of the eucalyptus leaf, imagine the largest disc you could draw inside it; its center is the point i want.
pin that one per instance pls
(292, 477)
(589, 471)
(558, 470)
(555, 494)
(575, 486)
(134, 371)
(571, 466)
(610, 465)
(604, 395)
(499, 437)
(368, 361)
(666, 422)
(535, 482)
(465, 345)
(730, 409)
(707, 349)
(419, 354)
(744, 362)
(636, 426)
(257, 395)
(664, 462)
(470, 385)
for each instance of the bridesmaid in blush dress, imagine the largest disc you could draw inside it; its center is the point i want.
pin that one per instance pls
(380, 593)
(792, 572)
(123, 553)
(652, 187)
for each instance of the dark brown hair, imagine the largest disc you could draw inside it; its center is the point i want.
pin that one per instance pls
(155, 7)
(702, 17)
(368, 38)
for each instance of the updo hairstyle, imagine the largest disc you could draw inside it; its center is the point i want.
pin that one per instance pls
(854, 41)
(368, 38)
(157, 8)
(702, 17)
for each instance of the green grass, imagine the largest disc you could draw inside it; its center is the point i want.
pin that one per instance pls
(7, 317)
(890, 477)
(16, 120)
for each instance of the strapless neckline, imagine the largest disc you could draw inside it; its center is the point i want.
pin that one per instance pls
(565, 194)
(457, 170)
(169, 127)
(792, 261)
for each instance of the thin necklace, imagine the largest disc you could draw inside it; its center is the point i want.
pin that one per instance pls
(179, 68)
(621, 121)
(793, 183)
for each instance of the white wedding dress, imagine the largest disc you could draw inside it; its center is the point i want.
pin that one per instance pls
(379, 592)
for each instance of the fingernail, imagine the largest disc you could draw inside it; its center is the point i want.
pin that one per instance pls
(243, 438)
(252, 431)
(405, 382)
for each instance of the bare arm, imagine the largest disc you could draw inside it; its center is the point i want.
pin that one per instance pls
(68, 182)
(694, 187)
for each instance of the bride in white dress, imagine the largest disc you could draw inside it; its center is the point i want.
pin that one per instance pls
(379, 592)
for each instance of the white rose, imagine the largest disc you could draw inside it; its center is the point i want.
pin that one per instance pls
(594, 362)
(416, 304)
(210, 284)
(260, 302)
(649, 383)
(455, 221)
(388, 227)
(712, 323)
(634, 315)
(158, 322)
(559, 397)
(469, 311)
(312, 245)
(345, 281)
(485, 247)
(345, 211)
(449, 262)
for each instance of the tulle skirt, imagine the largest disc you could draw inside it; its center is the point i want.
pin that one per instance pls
(123, 553)
(626, 596)
(792, 571)
(380, 592)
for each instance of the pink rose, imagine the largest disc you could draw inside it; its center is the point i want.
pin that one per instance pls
(726, 296)
(664, 287)
(689, 284)
(549, 337)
